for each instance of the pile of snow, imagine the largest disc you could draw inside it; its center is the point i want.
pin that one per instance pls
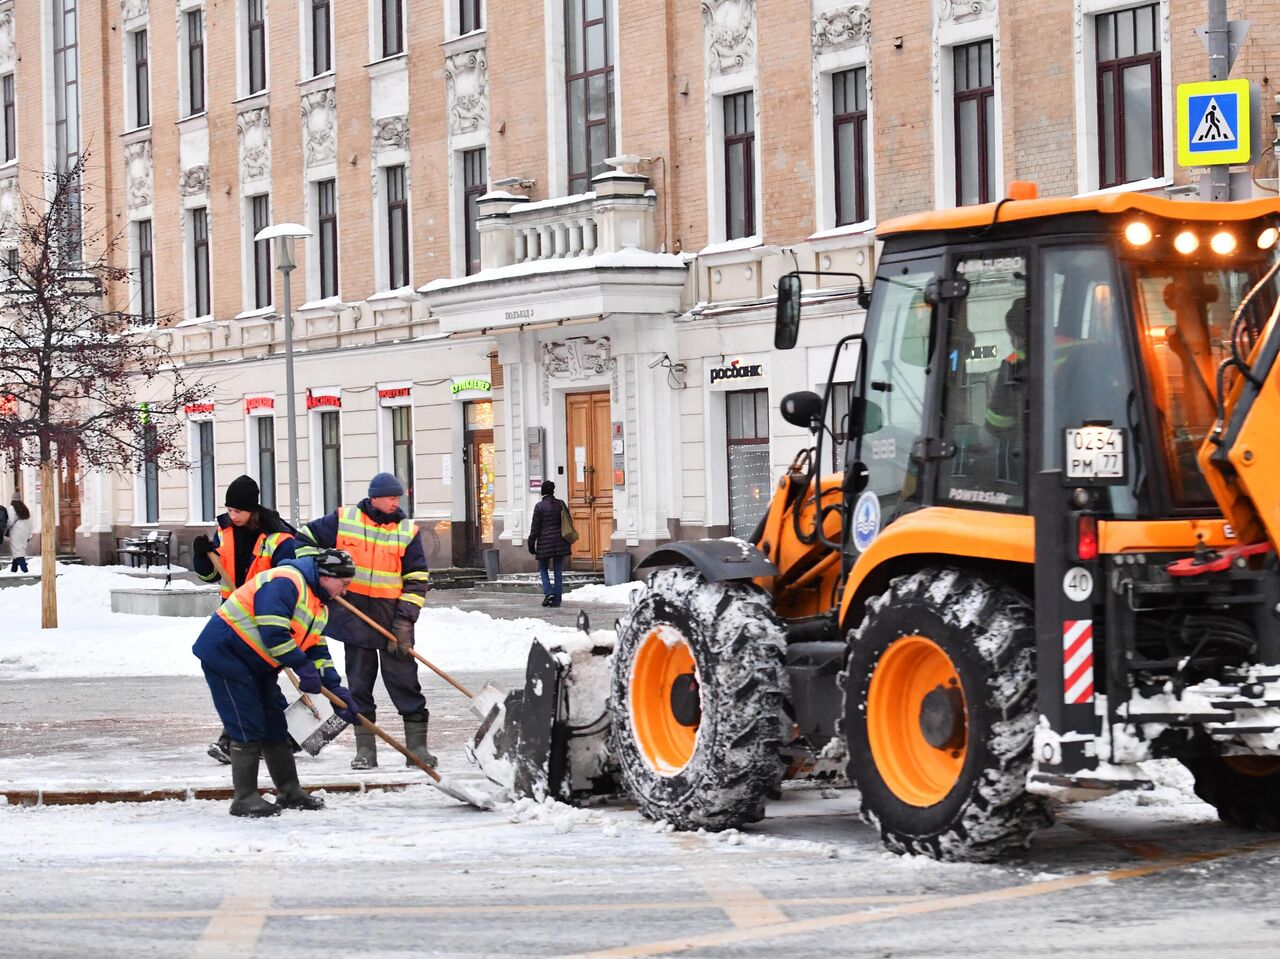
(618, 595)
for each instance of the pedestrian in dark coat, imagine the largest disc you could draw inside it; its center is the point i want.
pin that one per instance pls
(547, 543)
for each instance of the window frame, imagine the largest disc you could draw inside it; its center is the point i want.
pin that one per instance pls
(325, 448)
(982, 96)
(8, 96)
(399, 274)
(473, 161)
(860, 120)
(759, 405)
(391, 28)
(146, 268)
(743, 141)
(140, 78)
(201, 279)
(261, 282)
(470, 12)
(265, 460)
(195, 78)
(315, 23)
(1112, 72)
(327, 242)
(206, 482)
(255, 76)
(150, 476)
(579, 181)
(395, 414)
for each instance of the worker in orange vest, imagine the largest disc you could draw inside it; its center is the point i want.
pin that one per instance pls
(277, 619)
(389, 587)
(250, 539)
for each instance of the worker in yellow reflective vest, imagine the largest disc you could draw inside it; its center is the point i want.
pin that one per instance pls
(276, 620)
(389, 587)
(250, 539)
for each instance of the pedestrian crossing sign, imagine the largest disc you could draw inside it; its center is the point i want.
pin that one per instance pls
(1213, 123)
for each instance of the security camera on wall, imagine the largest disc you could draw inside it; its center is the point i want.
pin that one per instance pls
(658, 361)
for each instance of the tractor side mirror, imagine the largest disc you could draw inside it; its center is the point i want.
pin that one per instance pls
(803, 409)
(856, 478)
(786, 327)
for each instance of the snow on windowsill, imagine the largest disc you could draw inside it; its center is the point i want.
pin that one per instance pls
(330, 304)
(863, 229)
(391, 299)
(1135, 186)
(258, 314)
(731, 251)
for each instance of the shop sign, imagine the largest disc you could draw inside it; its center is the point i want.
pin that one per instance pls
(8, 405)
(470, 384)
(260, 405)
(395, 394)
(736, 370)
(199, 411)
(324, 399)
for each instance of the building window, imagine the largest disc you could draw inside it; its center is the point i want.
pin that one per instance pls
(739, 165)
(207, 500)
(327, 220)
(200, 261)
(10, 118)
(141, 80)
(260, 219)
(402, 453)
(12, 261)
(331, 459)
(470, 15)
(1130, 125)
(589, 79)
(849, 113)
(474, 186)
(66, 111)
(397, 227)
(150, 475)
(257, 45)
(975, 123)
(750, 476)
(321, 43)
(146, 270)
(195, 62)
(392, 27)
(266, 436)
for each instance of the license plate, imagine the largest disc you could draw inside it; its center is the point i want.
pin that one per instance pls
(1095, 454)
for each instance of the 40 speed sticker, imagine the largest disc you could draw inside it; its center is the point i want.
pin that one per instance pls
(866, 520)
(1078, 584)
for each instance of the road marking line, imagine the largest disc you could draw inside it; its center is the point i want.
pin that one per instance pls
(475, 910)
(940, 904)
(234, 929)
(1143, 850)
(746, 906)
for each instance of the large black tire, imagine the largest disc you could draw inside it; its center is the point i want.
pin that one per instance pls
(1246, 792)
(979, 807)
(736, 644)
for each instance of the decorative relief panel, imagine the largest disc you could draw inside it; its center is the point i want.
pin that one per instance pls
(319, 127)
(577, 359)
(133, 9)
(729, 35)
(842, 28)
(390, 133)
(254, 128)
(466, 80)
(7, 42)
(10, 206)
(962, 11)
(137, 162)
(194, 181)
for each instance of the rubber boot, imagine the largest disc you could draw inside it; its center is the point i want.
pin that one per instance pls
(221, 750)
(244, 777)
(366, 750)
(284, 773)
(415, 738)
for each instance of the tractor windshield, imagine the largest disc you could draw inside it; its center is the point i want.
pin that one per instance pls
(1184, 311)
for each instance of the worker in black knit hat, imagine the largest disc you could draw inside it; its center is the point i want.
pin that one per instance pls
(251, 539)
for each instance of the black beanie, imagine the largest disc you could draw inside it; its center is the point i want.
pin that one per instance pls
(243, 494)
(548, 488)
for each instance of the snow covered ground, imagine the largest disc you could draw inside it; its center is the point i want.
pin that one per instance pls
(619, 595)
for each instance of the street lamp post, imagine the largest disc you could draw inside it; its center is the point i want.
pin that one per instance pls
(284, 234)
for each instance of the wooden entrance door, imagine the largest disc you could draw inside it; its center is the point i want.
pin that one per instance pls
(590, 477)
(68, 500)
(478, 458)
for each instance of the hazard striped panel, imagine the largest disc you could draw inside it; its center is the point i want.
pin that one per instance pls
(1077, 661)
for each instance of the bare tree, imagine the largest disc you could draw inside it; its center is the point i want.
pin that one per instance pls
(80, 375)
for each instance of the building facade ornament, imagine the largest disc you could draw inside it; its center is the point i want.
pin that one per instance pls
(466, 82)
(320, 127)
(390, 133)
(137, 162)
(254, 128)
(842, 28)
(8, 49)
(133, 9)
(10, 206)
(194, 181)
(579, 358)
(729, 35)
(962, 11)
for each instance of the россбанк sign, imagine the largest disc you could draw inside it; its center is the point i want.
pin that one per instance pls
(737, 370)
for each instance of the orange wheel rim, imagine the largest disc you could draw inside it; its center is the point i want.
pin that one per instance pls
(918, 772)
(663, 658)
(1255, 767)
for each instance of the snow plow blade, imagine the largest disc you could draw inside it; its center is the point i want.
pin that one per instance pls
(550, 739)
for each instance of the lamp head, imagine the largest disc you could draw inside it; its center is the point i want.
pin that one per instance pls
(283, 235)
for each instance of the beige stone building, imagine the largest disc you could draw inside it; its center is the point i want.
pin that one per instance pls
(546, 235)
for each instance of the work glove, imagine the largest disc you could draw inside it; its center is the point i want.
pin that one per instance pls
(202, 545)
(308, 679)
(346, 713)
(403, 631)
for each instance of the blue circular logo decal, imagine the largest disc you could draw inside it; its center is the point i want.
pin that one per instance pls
(866, 520)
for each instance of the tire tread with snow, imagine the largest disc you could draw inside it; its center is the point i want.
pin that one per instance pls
(737, 644)
(1242, 800)
(986, 628)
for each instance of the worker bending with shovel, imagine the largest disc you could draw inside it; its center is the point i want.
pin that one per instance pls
(389, 588)
(275, 620)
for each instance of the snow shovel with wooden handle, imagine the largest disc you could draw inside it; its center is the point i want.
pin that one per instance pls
(482, 702)
(461, 791)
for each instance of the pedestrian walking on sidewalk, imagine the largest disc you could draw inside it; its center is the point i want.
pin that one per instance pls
(389, 587)
(548, 543)
(250, 539)
(19, 532)
(276, 620)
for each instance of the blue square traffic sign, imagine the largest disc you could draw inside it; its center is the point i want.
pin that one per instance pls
(1213, 123)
